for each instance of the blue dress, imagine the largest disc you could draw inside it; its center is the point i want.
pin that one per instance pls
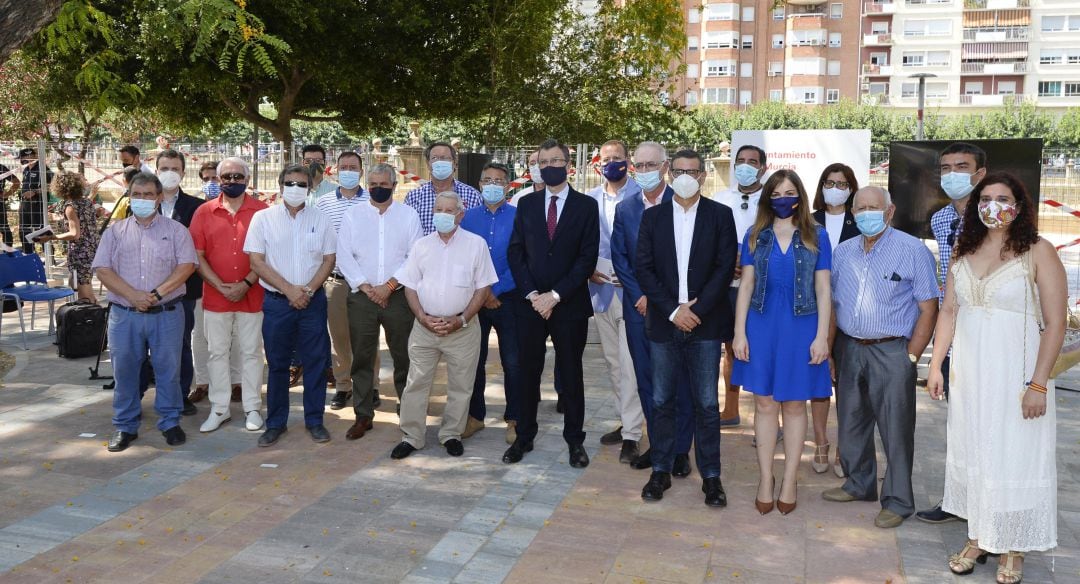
(779, 341)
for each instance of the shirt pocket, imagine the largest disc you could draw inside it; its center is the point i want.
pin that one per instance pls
(461, 276)
(312, 246)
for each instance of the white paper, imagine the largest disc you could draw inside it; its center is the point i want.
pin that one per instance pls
(87, 435)
(268, 465)
(603, 265)
(30, 237)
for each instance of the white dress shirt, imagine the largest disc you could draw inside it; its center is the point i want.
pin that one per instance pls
(744, 218)
(683, 222)
(560, 202)
(373, 246)
(294, 246)
(446, 274)
(169, 205)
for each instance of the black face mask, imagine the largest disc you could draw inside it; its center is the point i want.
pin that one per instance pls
(380, 194)
(316, 168)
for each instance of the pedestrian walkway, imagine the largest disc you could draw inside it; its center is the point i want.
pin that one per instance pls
(218, 509)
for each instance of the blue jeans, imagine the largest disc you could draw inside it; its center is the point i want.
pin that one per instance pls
(699, 360)
(505, 324)
(641, 355)
(131, 336)
(285, 330)
(187, 362)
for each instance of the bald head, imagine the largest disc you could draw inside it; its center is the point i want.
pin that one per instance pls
(871, 199)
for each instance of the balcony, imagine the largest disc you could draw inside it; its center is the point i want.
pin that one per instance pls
(991, 100)
(985, 35)
(879, 7)
(871, 69)
(995, 4)
(993, 68)
(877, 39)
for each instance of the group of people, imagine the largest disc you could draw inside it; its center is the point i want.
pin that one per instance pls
(787, 294)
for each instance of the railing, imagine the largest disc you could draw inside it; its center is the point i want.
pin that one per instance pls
(877, 39)
(879, 7)
(1011, 33)
(871, 69)
(994, 68)
(992, 99)
(995, 4)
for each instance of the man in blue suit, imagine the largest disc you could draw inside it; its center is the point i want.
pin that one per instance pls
(685, 261)
(650, 162)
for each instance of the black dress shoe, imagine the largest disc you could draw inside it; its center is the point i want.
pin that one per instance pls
(681, 466)
(174, 436)
(516, 452)
(629, 452)
(936, 515)
(559, 407)
(454, 447)
(271, 435)
(189, 408)
(377, 401)
(121, 440)
(654, 489)
(642, 462)
(340, 400)
(319, 433)
(402, 450)
(714, 492)
(612, 437)
(578, 457)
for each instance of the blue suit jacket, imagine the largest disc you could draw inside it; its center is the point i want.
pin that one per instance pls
(624, 236)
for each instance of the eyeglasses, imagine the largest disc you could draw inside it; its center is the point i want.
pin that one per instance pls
(441, 159)
(953, 228)
(295, 183)
(677, 172)
(647, 166)
(310, 161)
(493, 181)
(557, 162)
(745, 202)
(831, 183)
(233, 177)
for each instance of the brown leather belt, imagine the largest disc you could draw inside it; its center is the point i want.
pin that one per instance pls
(874, 341)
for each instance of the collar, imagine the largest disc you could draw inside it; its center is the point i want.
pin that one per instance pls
(219, 202)
(359, 191)
(500, 209)
(880, 240)
(563, 194)
(693, 208)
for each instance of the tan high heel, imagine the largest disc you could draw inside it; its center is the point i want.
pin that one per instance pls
(820, 462)
(1006, 574)
(961, 565)
(785, 508)
(765, 507)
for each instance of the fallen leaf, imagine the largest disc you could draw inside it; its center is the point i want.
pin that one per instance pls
(75, 558)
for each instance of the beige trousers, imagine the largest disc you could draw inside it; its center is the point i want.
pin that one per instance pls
(337, 322)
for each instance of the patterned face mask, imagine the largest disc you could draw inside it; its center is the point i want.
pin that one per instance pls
(995, 215)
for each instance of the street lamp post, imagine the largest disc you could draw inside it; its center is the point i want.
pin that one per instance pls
(919, 134)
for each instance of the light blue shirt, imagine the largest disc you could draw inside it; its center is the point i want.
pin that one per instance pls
(602, 294)
(876, 295)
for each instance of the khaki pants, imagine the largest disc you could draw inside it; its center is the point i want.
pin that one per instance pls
(241, 333)
(337, 321)
(460, 350)
(200, 352)
(612, 331)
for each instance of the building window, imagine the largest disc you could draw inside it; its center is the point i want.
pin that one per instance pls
(908, 90)
(836, 11)
(1053, 23)
(809, 96)
(744, 97)
(692, 71)
(721, 40)
(691, 97)
(776, 68)
(937, 90)
(776, 95)
(747, 42)
(748, 13)
(834, 40)
(722, 12)
(1072, 89)
(879, 27)
(719, 68)
(718, 95)
(832, 95)
(692, 43)
(1006, 88)
(694, 16)
(777, 41)
(913, 59)
(927, 28)
(937, 58)
(1050, 57)
(746, 69)
(834, 68)
(1049, 88)
(778, 13)
(973, 87)
(807, 38)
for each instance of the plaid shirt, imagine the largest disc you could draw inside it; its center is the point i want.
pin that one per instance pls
(945, 224)
(422, 199)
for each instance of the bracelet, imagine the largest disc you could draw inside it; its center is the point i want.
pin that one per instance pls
(1036, 387)
(249, 284)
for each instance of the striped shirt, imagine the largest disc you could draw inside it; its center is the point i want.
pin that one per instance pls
(145, 256)
(294, 246)
(422, 199)
(945, 224)
(325, 187)
(333, 205)
(877, 294)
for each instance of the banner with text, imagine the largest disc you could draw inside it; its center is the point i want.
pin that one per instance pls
(808, 152)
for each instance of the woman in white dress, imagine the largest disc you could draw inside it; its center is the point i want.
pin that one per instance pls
(1000, 471)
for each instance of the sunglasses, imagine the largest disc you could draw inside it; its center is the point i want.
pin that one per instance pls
(952, 231)
(295, 183)
(745, 202)
(233, 177)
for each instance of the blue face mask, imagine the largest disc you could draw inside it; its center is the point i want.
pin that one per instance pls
(442, 169)
(212, 190)
(870, 223)
(957, 185)
(444, 222)
(784, 207)
(745, 174)
(348, 179)
(648, 180)
(143, 208)
(493, 194)
(615, 170)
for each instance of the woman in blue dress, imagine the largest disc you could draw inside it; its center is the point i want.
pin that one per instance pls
(781, 328)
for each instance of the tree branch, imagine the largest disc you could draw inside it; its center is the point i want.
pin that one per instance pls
(309, 118)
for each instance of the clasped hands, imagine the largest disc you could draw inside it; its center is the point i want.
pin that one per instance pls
(441, 325)
(544, 303)
(236, 291)
(378, 294)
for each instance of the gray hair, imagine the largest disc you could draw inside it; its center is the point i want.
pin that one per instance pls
(294, 169)
(658, 146)
(452, 196)
(383, 168)
(880, 190)
(234, 160)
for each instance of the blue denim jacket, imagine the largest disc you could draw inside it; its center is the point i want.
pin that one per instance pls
(805, 262)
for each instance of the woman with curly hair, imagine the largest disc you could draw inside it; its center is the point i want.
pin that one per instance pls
(1005, 284)
(82, 234)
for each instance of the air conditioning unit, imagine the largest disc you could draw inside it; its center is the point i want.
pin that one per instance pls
(775, 73)
(865, 88)
(815, 42)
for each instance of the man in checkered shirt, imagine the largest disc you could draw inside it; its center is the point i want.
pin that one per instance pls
(442, 160)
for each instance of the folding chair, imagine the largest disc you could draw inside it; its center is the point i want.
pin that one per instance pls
(34, 288)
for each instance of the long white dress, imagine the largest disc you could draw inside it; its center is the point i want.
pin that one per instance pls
(1000, 471)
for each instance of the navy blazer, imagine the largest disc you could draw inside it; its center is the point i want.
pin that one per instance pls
(564, 263)
(850, 229)
(711, 269)
(624, 238)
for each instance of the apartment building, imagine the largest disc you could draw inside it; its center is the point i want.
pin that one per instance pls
(978, 53)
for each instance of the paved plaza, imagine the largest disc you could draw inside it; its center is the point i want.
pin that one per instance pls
(218, 509)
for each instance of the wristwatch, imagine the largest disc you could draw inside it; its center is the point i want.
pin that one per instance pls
(464, 323)
(913, 357)
(308, 291)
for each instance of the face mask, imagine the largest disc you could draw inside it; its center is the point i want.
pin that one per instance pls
(745, 174)
(553, 175)
(648, 180)
(835, 196)
(784, 207)
(294, 196)
(380, 194)
(143, 208)
(170, 179)
(615, 170)
(442, 169)
(685, 186)
(996, 215)
(870, 223)
(493, 194)
(233, 190)
(211, 190)
(444, 222)
(957, 185)
(316, 168)
(348, 179)
(534, 173)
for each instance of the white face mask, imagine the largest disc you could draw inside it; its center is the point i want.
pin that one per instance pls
(170, 179)
(835, 196)
(685, 186)
(534, 173)
(294, 196)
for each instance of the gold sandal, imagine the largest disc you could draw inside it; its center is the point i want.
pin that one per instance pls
(820, 463)
(961, 565)
(1006, 574)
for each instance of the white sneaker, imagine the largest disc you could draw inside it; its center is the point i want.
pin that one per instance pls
(214, 421)
(254, 421)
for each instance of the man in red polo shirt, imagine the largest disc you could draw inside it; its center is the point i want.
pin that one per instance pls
(231, 299)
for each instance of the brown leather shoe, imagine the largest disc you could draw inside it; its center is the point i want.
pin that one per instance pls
(236, 392)
(198, 394)
(358, 429)
(295, 373)
(472, 426)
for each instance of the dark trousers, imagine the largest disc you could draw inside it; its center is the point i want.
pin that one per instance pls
(286, 329)
(365, 318)
(504, 321)
(569, 337)
(875, 385)
(31, 218)
(641, 355)
(686, 357)
(187, 362)
(5, 232)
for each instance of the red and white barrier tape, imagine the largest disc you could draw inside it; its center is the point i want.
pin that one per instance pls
(17, 170)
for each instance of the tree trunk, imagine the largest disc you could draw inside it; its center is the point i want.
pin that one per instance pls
(20, 20)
